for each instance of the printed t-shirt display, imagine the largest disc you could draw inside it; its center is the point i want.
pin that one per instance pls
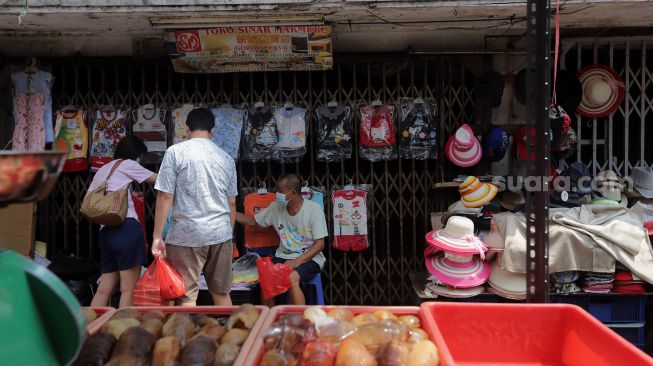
(109, 128)
(179, 116)
(256, 237)
(32, 111)
(297, 233)
(334, 133)
(228, 125)
(71, 135)
(291, 133)
(378, 133)
(149, 127)
(417, 133)
(260, 134)
(350, 220)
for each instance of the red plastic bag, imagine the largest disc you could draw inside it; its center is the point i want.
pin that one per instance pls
(274, 277)
(139, 206)
(159, 283)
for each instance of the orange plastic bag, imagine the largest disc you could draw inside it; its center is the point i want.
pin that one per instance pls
(159, 283)
(274, 277)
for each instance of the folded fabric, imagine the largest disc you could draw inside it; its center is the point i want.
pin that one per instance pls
(560, 288)
(588, 238)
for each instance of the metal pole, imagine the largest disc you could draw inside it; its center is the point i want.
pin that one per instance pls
(538, 95)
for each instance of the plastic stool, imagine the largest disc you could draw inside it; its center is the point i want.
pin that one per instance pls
(319, 293)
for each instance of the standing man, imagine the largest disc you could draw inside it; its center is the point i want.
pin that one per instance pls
(198, 180)
(301, 227)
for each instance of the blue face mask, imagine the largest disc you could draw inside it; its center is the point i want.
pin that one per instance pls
(281, 198)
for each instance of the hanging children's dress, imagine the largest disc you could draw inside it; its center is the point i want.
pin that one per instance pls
(228, 127)
(71, 135)
(260, 134)
(334, 133)
(150, 128)
(417, 133)
(32, 111)
(377, 133)
(109, 128)
(291, 134)
(179, 116)
(350, 220)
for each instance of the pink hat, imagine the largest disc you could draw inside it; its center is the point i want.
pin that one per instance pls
(462, 148)
(603, 91)
(457, 237)
(458, 271)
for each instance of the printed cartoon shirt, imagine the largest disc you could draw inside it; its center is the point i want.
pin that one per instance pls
(109, 128)
(334, 135)
(260, 134)
(228, 126)
(297, 233)
(417, 133)
(150, 128)
(377, 128)
(71, 135)
(179, 116)
(349, 212)
(291, 128)
(256, 237)
(315, 196)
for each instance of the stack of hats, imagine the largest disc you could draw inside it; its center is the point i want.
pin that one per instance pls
(609, 190)
(596, 282)
(564, 283)
(455, 259)
(509, 285)
(577, 192)
(463, 148)
(627, 283)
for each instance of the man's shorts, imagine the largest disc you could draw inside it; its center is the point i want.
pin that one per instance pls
(306, 270)
(212, 260)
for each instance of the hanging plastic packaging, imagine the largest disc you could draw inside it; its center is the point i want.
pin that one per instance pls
(291, 133)
(274, 277)
(334, 133)
(378, 132)
(417, 131)
(149, 126)
(228, 128)
(109, 127)
(350, 217)
(259, 134)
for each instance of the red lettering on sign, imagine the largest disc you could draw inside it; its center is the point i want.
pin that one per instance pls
(188, 41)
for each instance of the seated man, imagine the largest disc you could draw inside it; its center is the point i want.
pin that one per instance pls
(301, 227)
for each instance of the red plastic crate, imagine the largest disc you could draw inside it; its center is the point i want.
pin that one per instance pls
(103, 315)
(258, 350)
(525, 334)
(210, 310)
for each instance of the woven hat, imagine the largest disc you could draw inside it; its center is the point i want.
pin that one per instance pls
(475, 193)
(495, 144)
(510, 200)
(609, 186)
(643, 181)
(507, 284)
(457, 237)
(489, 89)
(603, 91)
(462, 148)
(458, 271)
(454, 293)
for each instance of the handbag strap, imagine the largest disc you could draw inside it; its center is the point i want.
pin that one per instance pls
(113, 169)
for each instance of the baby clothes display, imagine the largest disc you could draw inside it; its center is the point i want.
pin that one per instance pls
(417, 133)
(260, 134)
(377, 133)
(334, 133)
(291, 133)
(350, 220)
(150, 128)
(313, 194)
(179, 116)
(32, 111)
(228, 126)
(256, 237)
(71, 135)
(109, 128)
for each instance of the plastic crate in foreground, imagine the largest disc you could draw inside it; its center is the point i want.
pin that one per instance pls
(525, 334)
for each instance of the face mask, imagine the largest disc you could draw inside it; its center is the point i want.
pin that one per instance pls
(281, 198)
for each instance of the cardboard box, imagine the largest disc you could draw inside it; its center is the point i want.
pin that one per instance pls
(18, 228)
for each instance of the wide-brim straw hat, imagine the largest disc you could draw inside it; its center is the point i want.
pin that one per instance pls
(603, 91)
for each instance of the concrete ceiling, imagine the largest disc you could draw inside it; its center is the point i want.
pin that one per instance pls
(107, 28)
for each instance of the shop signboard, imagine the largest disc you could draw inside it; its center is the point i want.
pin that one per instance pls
(251, 48)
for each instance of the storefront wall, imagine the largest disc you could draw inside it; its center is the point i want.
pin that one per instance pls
(402, 194)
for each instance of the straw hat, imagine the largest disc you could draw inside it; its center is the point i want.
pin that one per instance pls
(457, 237)
(458, 271)
(608, 185)
(510, 200)
(507, 284)
(474, 193)
(454, 293)
(643, 181)
(603, 91)
(462, 148)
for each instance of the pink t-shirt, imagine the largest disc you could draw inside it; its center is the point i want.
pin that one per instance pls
(128, 172)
